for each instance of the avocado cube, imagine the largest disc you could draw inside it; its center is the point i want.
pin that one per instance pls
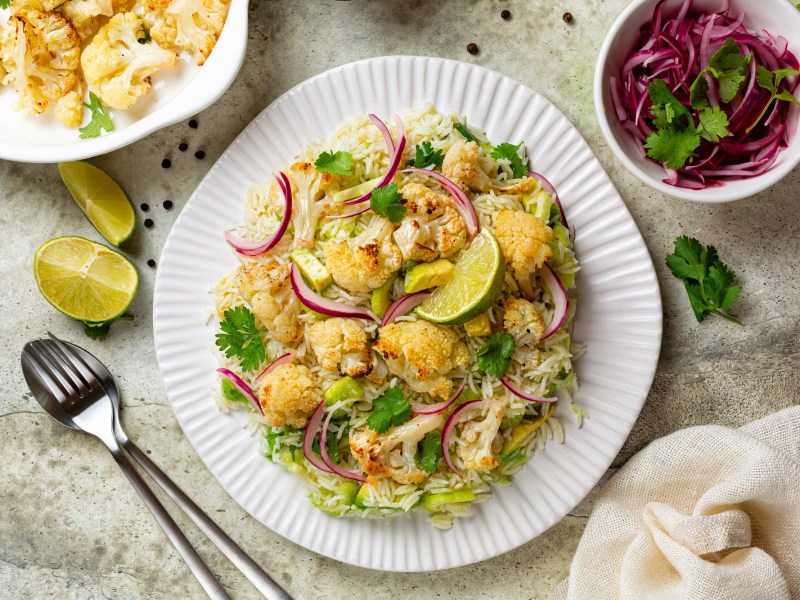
(311, 268)
(428, 275)
(480, 326)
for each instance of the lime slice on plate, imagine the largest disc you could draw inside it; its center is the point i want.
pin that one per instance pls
(85, 280)
(101, 200)
(476, 284)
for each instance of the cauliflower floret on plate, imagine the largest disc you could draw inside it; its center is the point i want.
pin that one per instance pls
(69, 109)
(394, 453)
(364, 262)
(526, 185)
(481, 440)
(523, 321)
(431, 228)
(40, 55)
(523, 240)
(423, 354)
(267, 289)
(462, 166)
(87, 16)
(288, 395)
(117, 67)
(40, 5)
(309, 188)
(341, 344)
(192, 25)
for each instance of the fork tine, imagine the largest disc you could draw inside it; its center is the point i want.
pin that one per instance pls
(66, 369)
(72, 358)
(46, 368)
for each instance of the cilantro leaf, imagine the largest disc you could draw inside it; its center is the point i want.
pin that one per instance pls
(430, 451)
(240, 338)
(709, 283)
(770, 81)
(337, 163)
(389, 409)
(698, 92)
(494, 357)
(713, 124)
(672, 146)
(765, 80)
(99, 331)
(5, 3)
(332, 442)
(465, 133)
(386, 201)
(511, 153)
(659, 94)
(728, 66)
(426, 156)
(100, 119)
(788, 97)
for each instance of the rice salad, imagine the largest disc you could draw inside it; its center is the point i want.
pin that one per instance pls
(399, 330)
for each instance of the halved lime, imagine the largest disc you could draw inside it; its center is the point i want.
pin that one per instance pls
(85, 280)
(101, 200)
(475, 286)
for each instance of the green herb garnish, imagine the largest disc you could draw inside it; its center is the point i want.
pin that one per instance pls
(727, 66)
(240, 338)
(99, 331)
(465, 133)
(100, 119)
(494, 357)
(511, 153)
(770, 81)
(386, 201)
(708, 281)
(430, 451)
(337, 163)
(5, 3)
(426, 156)
(389, 409)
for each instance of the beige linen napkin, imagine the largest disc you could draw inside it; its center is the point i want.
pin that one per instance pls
(706, 513)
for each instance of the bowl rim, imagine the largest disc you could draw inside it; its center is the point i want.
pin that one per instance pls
(717, 195)
(201, 91)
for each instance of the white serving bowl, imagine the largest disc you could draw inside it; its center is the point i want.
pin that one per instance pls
(177, 94)
(779, 17)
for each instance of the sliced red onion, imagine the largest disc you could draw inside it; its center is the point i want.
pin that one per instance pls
(242, 387)
(403, 305)
(431, 409)
(518, 391)
(387, 137)
(323, 305)
(462, 202)
(449, 427)
(284, 359)
(323, 450)
(560, 299)
(550, 189)
(308, 438)
(395, 156)
(254, 248)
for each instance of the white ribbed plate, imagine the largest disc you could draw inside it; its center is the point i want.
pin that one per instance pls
(618, 318)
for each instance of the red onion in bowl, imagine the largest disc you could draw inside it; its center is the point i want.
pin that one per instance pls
(518, 391)
(560, 299)
(284, 359)
(403, 305)
(308, 438)
(323, 450)
(321, 304)
(431, 409)
(254, 248)
(242, 387)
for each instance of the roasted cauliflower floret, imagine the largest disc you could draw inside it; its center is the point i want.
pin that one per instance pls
(364, 262)
(267, 289)
(394, 452)
(423, 354)
(41, 5)
(288, 395)
(481, 441)
(40, 56)
(69, 109)
(117, 67)
(192, 25)
(309, 188)
(523, 240)
(431, 228)
(525, 185)
(462, 167)
(341, 344)
(87, 16)
(523, 321)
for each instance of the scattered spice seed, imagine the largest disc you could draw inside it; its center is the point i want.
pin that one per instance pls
(166, 163)
(567, 17)
(193, 123)
(151, 262)
(148, 223)
(183, 146)
(199, 155)
(472, 48)
(168, 204)
(145, 207)
(505, 14)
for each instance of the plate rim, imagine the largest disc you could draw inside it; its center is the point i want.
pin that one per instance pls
(657, 323)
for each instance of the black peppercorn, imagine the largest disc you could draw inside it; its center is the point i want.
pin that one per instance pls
(193, 124)
(168, 204)
(151, 262)
(505, 14)
(166, 163)
(472, 48)
(199, 155)
(145, 207)
(567, 17)
(183, 146)
(148, 223)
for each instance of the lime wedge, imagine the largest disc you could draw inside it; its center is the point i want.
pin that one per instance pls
(476, 284)
(101, 200)
(85, 280)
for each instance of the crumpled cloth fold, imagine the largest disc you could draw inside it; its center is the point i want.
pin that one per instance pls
(705, 513)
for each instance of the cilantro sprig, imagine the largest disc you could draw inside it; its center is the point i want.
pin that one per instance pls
(727, 66)
(240, 337)
(390, 409)
(386, 201)
(5, 3)
(430, 451)
(494, 357)
(336, 163)
(771, 81)
(710, 284)
(99, 331)
(100, 121)
(465, 133)
(511, 153)
(426, 156)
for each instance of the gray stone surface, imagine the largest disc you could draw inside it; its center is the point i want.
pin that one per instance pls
(71, 526)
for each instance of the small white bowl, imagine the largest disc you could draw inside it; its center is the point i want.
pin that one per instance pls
(177, 94)
(779, 17)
